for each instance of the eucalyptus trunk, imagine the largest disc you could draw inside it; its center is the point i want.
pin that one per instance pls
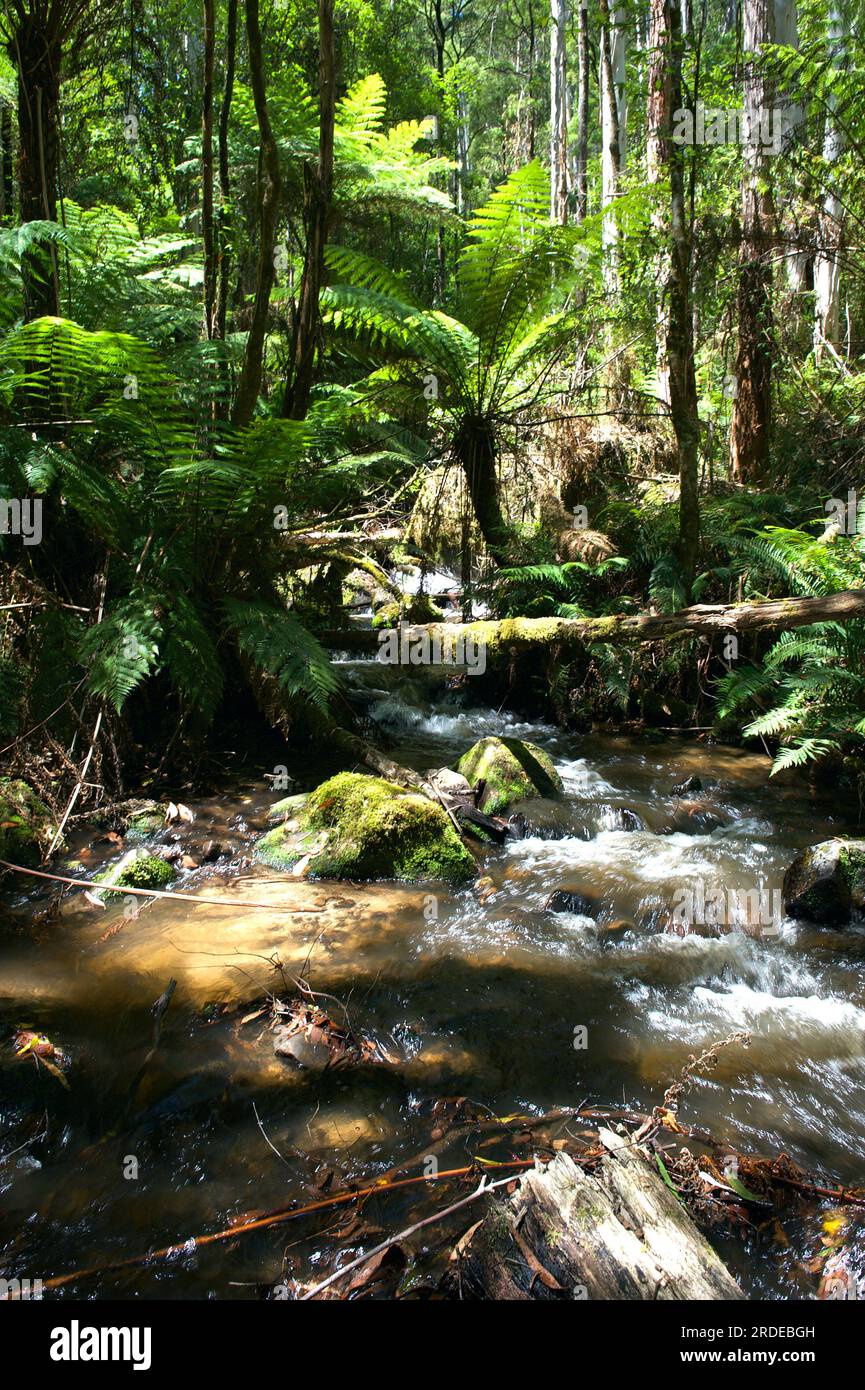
(750, 432)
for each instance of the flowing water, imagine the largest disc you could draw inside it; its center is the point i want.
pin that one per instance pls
(471, 998)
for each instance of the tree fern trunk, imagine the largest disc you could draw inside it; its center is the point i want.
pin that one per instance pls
(474, 447)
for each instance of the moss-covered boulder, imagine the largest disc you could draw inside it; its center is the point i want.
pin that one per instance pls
(26, 824)
(138, 870)
(417, 609)
(364, 828)
(826, 883)
(508, 770)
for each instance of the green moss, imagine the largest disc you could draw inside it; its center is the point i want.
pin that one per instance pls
(363, 828)
(144, 824)
(419, 609)
(511, 770)
(288, 806)
(138, 871)
(25, 823)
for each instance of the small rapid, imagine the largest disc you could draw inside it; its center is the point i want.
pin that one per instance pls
(473, 993)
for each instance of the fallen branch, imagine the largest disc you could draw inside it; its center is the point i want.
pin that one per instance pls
(480, 1191)
(259, 1223)
(190, 899)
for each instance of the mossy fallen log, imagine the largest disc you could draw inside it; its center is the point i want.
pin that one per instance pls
(623, 628)
(614, 1233)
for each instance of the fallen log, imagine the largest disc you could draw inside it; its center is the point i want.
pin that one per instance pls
(615, 1233)
(622, 628)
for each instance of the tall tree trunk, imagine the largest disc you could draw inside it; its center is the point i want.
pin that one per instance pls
(582, 161)
(474, 447)
(666, 168)
(207, 229)
(827, 278)
(37, 53)
(269, 189)
(319, 196)
(7, 186)
(558, 113)
(613, 125)
(223, 251)
(749, 437)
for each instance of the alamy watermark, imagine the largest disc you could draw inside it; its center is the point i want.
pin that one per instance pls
(720, 125)
(21, 516)
(405, 646)
(697, 905)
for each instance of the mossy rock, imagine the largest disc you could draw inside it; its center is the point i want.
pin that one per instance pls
(288, 806)
(364, 828)
(826, 882)
(26, 824)
(137, 870)
(511, 770)
(417, 609)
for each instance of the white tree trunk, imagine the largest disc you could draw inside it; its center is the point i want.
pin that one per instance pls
(827, 303)
(613, 126)
(558, 113)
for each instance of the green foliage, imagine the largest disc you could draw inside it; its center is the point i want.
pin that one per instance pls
(810, 687)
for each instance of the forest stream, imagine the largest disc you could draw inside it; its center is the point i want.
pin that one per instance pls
(466, 997)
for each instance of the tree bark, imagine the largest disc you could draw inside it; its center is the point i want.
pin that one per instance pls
(827, 277)
(207, 228)
(676, 331)
(702, 619)
(474, 447)
(37, 50)
(269, 189)
(7, 187)
(558, 113)
(616, 1233)
(612, 80)
(749, 436)
(223, 253)
(582, 159)
(319, 196)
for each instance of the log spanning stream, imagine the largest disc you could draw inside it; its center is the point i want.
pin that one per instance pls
(471, 995)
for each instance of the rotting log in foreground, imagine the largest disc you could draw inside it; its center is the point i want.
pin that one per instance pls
(617, 1233)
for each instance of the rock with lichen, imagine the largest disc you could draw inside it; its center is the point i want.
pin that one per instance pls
(507, 770)
(364, 828)
(826, 882)
(138, 870)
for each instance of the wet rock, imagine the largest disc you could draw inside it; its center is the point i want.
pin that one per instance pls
(363, 828)
(26, 824)
(307, 1051)
(505, 770)
(620, 818)
(826, 883)
(564, 900)
(450, 783)
(693, 818)
(485, 889)
(210, 851)
(611, 931)
(138, 870)
(690, 784)
(288, 807)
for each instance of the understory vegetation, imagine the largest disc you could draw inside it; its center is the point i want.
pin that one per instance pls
(295, 302)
